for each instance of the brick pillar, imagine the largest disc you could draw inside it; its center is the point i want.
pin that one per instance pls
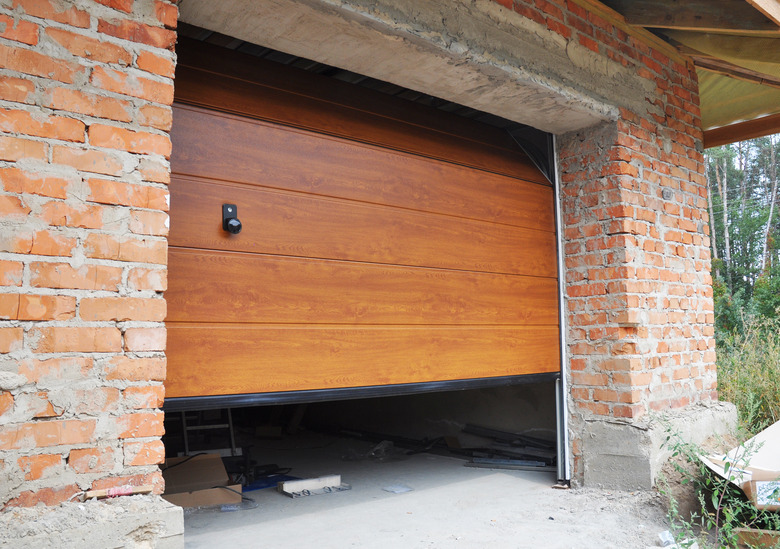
(85, 91)
(639, 291)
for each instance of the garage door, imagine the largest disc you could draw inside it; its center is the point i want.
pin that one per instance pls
(382, 243)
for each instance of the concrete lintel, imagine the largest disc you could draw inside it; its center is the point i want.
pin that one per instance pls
(473, 52)
(629, 456)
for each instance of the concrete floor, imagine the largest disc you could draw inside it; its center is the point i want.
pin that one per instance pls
(449, 506)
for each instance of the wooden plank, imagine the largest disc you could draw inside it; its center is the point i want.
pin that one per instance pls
(254, 152)
(741, 131)
(702, 15)
(225, 360)
(294, 224)
(246, 288)
(753, 537)
(248, 99)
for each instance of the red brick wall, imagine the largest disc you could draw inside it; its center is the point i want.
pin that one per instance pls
(637, 259)
(85, 94)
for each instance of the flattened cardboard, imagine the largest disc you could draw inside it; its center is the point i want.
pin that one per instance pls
(205, 498)
(196, 481)
(758, 474)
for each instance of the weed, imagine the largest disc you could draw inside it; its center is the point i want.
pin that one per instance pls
(723, 506)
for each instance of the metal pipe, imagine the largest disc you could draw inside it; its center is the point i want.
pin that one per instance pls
(561, 386)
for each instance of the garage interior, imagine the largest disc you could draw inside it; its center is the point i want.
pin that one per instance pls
(484, 391)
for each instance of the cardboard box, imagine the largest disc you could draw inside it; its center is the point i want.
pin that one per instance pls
(198, 481)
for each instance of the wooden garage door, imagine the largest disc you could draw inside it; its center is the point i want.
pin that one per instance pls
(380, 246)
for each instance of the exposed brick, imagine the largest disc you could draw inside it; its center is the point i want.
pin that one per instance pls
(88, 160)
(19, 31)
(13, 207)
(10, 339)
(88, 103)
(46, 496)
(156, 117)
(145, 339)
(148, 279)
(155, 64)
(48, 242)
(149, 223)
(103, 246)
(122, 309)
(142, 424)
(131, 85)
(135, 369)
(11, 274)
(129, 140)
(56, 127)
(167, 13)
(44, 434)
(36, 307)
(56, 370)
(138, 32)
(152, 169)
(144, 397)
(56, 10)
(86, 277)
(107, 191)
(59, 339)
(6, 402)
(18, 90)
(19, 181)
(92, 460)
(17, 148)
(85, 216)
(154, 479)
(35, 467)
(37, 64)
(144, 453)
(122, 5)
(89, 48)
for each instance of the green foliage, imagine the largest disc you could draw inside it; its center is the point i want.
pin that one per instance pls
(749, 371)
(723, 506)
(766, 295)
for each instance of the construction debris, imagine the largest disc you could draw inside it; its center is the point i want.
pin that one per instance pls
(312, 486)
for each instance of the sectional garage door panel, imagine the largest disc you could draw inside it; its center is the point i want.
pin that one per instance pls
(295, 358)
(361, 262)
(291, 224)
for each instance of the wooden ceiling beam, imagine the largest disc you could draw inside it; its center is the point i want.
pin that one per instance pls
(741, 131)
(701, 15)
(770, 8)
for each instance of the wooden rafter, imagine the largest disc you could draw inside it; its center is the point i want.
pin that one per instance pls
(741, 131)
(733, 16)
(725, 68)
(770, 8)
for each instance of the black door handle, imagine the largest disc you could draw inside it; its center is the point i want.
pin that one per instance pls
(230, 222)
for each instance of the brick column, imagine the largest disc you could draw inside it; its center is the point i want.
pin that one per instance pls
(85, 95)
(639, 290)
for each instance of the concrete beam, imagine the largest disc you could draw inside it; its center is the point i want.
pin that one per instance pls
(475, 53)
